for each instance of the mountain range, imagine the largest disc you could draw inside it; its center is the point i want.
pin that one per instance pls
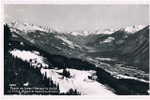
(123, 53)
(130, 44)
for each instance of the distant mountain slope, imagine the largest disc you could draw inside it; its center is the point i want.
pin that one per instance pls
(136, 49)
(53, 42)
(131, 48)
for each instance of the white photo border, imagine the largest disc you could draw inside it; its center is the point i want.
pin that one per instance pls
(20, 97)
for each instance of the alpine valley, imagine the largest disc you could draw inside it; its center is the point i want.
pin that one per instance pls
(108, 62)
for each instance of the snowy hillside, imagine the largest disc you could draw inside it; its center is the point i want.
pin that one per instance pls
(79, 79)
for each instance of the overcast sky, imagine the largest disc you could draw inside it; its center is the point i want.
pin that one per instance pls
(79, 17)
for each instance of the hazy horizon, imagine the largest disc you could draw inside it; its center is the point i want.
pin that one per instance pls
(79, 17)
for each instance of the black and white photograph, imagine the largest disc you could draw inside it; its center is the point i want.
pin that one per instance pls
(76, 49)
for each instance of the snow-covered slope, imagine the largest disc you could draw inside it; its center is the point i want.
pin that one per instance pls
(28, 56)
(108, 40)
(79, 80)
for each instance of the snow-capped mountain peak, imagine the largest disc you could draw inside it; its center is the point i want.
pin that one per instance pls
(74, 33)
(81, 33)
(26, 27)
(135, 28)
(86, 33)
(108, 31)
